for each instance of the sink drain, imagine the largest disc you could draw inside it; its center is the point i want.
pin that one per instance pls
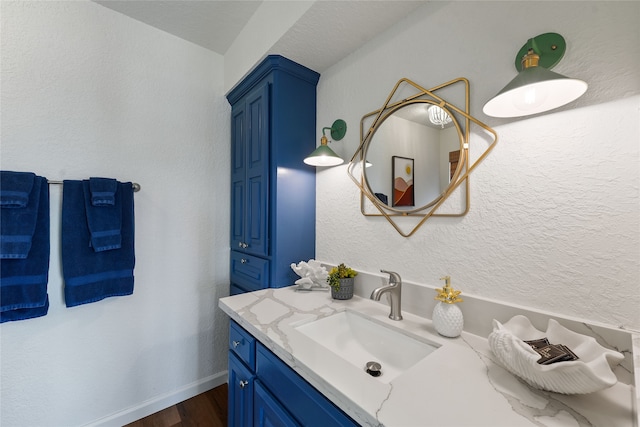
(374, 369)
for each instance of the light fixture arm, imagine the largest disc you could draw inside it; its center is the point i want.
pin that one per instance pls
(337, 132)
(549, 47)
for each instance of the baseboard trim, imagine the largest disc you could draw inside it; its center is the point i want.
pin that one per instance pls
(151, 406)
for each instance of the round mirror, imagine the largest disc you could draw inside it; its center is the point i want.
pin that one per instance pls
(414, 154)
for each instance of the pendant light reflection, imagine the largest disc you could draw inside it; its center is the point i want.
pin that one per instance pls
(438, 116)
(536, 89)
(323, 155)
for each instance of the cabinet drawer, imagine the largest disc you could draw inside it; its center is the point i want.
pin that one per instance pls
(249, 272)
(306, 404)
(243, 344)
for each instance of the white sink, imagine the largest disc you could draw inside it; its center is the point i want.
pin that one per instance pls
(359, 340)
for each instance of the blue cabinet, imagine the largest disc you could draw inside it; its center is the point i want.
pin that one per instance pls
(241, 388)
(273, 128)
(249, 171)
(264, 390)
(242, 366)
(268, 411)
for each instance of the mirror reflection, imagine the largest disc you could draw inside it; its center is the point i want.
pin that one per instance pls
(413, 156)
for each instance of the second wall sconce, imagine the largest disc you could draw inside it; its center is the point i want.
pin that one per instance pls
(323, 155)
(536, 89)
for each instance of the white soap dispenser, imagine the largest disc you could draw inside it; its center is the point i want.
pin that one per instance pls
(447, 316)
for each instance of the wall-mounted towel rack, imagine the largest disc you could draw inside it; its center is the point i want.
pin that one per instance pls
(136, 187)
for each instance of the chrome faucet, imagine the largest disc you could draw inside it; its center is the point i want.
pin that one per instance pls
(394, 288)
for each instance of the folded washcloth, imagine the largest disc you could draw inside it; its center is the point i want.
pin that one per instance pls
(18, 223)
(104, 221)
(91, 276)
(23, 281)
(103, 191)
(15, 188)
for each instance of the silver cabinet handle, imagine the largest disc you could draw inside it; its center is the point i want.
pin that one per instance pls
(243, 261)
(236, 344)
(243, 383)
(244, 245)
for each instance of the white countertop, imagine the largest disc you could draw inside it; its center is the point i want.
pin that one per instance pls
(457, 385)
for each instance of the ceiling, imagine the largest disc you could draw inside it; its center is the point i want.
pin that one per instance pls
(328, 32)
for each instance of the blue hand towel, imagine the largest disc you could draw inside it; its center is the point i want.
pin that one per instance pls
(18, 223)
(104, 221)
(23, 282)
(103, 191)
(91, 276)
(15, 188)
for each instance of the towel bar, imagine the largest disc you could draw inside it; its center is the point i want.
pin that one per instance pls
(135, 185)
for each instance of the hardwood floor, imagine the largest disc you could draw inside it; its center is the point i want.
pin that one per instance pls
(208, 409)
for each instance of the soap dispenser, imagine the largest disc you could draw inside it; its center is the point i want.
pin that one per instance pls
(447, 316)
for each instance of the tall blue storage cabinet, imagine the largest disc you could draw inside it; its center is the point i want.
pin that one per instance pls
(273, 193)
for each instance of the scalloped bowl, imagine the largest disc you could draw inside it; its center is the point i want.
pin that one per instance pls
(592, 372)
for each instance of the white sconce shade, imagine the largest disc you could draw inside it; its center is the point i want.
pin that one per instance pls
(534, 90)
(323, 156)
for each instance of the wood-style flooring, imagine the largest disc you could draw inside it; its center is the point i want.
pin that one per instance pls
(208, 409)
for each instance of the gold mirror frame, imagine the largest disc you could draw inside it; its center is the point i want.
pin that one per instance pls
(356, 167)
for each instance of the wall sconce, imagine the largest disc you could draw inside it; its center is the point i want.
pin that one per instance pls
(536, 89)
(323, 155)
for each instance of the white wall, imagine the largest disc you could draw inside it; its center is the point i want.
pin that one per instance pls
(89, 92)
(555, 208)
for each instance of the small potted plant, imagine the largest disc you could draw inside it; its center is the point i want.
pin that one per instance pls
(341, 280)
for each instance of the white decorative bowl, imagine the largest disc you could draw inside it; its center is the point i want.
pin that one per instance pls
(590, 373)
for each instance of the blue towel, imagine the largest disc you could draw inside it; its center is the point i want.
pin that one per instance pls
(91, 276)
(23, 281)
(103, 191)
(25, 313)
(18, 221)
(15, 188)
(104, 221)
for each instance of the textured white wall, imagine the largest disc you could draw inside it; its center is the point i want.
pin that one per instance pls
(89, 92)
(554, 219)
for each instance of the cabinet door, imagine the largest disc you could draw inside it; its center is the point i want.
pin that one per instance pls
(257, 171)
(250, 172)
(305, 404)
(268, 412)
(238, 174)
(241, 385)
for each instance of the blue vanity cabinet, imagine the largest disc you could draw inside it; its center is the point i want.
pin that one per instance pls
(280, 397)
(241, 389)
(268, 411)
(242, 366)
(273, 128)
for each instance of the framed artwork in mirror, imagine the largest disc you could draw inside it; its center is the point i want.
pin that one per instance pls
(402, 173)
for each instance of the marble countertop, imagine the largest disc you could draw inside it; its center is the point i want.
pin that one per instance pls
(459, 384)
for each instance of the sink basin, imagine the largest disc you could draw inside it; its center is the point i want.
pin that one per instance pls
(359, 340)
